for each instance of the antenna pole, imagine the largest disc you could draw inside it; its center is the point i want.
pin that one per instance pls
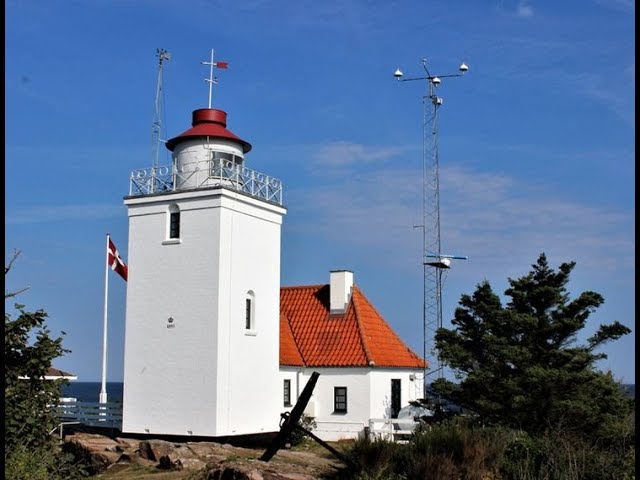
(156, 127)
(434, 261)
(210, 78)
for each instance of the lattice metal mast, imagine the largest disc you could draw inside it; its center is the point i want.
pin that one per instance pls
(156, 126)
(434, 261)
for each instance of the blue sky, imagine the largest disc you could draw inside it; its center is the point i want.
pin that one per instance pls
(536, 144)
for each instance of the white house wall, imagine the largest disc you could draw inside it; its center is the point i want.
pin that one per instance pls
(333, 426)
(410, 389)
(368, 396)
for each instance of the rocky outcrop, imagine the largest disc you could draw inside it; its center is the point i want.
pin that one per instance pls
(97, 452)
(216, 461)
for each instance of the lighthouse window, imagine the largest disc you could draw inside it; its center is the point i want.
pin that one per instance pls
(227, 157)
(249, 312)
(174, 222)
(174, 227)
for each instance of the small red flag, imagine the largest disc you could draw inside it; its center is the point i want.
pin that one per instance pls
(222, 64)
(115, 262)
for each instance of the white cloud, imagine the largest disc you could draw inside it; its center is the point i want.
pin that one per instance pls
(524, 10)
(343, 153)
(625, 6)
(496, 219)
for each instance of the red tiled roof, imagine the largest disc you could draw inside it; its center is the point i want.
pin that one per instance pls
(310, 336)
(289, 353)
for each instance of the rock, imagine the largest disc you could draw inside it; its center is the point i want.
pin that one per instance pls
(215, 461)
(287, 476)
(155, 449)
(124, 458)
(191, 464)
(255, 475)
(177, 457)
(128, 444)
(97, 452)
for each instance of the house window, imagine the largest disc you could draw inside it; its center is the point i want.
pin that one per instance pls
(396, 397)
(287, 393)
(174, 222)
(340, 400)
(249, 311)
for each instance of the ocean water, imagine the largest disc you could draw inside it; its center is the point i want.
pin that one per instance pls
(90, 391)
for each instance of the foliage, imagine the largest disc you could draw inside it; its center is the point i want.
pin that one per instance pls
(556, 454)
(44, 462)
(444, 451)
(28, 352)
(28, 419)
(460, 449)
(519, 364)
(306, 422)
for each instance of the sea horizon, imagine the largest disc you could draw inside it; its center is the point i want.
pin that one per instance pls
(90, 391)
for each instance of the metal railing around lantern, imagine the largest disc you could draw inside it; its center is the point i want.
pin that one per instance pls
(205, 174)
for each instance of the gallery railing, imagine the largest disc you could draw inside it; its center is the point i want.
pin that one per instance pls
(203, 174)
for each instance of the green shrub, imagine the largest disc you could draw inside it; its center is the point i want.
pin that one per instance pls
(558, 455)
(455, 449)
(437, 452)
(45, 462)
(373, 459)
(297, 436)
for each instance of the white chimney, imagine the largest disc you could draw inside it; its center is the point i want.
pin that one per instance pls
(340, 286)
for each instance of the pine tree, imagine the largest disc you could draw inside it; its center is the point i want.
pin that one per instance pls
(520, 365)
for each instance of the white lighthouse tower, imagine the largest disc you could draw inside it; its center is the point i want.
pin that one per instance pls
(201, 350)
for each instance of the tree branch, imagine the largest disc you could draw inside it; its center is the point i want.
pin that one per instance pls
(7, 268)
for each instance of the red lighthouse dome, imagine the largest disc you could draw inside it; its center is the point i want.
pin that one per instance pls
(208, 123)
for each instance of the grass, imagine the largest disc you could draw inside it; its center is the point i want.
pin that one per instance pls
(142, 472)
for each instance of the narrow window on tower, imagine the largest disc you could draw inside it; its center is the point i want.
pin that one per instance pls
(249, 311)
(174, 222)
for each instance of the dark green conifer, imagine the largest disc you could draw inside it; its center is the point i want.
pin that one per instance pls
(520, 364)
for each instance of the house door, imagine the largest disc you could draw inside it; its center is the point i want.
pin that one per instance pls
(396, 399)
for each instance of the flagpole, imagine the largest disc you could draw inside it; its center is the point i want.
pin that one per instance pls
(103, 390)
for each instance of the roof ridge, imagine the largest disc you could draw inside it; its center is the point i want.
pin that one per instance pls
(359, 326)
(295, 340)
(319, 285)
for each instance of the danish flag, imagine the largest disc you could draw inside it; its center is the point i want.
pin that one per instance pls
(115, 262)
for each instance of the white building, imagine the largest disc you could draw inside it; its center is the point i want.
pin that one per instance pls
(213, 346)
(366, 370)
(201, 332)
